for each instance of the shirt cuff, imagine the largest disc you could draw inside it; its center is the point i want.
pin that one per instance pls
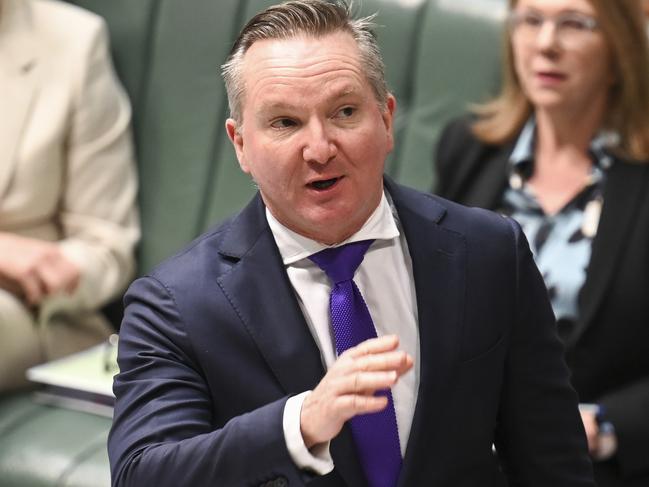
(317, 459)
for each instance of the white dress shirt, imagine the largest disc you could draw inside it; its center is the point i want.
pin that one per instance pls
(385, 279)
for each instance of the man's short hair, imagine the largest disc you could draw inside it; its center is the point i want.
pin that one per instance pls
(315, 18)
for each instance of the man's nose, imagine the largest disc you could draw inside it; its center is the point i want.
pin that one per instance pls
(318, 145)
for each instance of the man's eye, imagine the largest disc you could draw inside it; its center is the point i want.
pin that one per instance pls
(346, 112)
(283, 123)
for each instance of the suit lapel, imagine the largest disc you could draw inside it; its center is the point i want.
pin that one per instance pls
(18, 56)
(438, 260)
(625, 187)
(259, 288)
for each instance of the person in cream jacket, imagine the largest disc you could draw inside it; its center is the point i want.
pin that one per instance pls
(68, 218)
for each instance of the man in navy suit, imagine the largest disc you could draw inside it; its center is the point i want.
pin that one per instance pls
(232, 371)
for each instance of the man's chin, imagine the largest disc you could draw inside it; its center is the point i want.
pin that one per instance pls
(332, 229)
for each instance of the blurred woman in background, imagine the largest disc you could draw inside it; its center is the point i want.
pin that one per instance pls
(68, 220)
(564, 150)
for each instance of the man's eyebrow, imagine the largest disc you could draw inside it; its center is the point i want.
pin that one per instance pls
(274, 106)
(343, 92)
(281, 105)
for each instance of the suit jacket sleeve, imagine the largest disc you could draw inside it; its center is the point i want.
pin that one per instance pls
(540, 436)
(98, 213)
(166, 431)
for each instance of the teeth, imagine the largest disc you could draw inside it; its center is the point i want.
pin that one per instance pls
(324, 184)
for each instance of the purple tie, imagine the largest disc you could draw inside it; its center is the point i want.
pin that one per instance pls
(375, 435)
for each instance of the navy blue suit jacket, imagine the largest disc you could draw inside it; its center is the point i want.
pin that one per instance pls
(214, 342)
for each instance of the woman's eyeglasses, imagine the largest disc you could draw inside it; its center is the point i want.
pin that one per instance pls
(570, 28)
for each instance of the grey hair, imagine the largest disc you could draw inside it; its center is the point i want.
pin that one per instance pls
(314, 18)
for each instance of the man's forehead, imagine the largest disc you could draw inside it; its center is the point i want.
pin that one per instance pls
(302, 49)
(328, 63)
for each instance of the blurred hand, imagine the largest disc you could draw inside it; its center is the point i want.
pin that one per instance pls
(33, 269)
(592, 431)
(348, 387)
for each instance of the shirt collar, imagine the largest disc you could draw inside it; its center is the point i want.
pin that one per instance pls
(524, 148)
(381, 225)
(523, 152)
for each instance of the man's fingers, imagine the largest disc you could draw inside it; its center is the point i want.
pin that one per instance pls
(350, 387)
(374, 345)
(398, 361)
(380, 354)
(322, 418)
(366, 382)
(354, 404)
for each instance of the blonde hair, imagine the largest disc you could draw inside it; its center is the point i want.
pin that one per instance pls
(622, 23)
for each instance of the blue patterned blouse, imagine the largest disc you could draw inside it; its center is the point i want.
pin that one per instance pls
(562, 242)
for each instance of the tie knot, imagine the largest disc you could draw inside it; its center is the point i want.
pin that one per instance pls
(340, 263)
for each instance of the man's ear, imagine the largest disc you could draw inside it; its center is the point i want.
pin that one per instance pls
(237, 141)
(388, 119)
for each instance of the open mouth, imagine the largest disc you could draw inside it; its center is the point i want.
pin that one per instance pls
(323, 184)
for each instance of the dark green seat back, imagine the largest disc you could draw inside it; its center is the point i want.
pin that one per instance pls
(130, 24)
(457, 63)
(180, 125)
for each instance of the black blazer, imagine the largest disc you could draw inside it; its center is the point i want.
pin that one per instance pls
(213, 343)
(609, 352)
